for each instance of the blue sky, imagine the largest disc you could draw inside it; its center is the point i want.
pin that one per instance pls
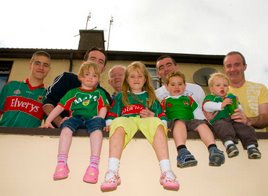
(177, 26)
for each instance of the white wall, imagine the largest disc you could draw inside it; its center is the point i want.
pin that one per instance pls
(27, 164)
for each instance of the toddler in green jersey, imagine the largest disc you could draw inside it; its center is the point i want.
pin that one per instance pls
(88, 107)
(224, 127)
(182, 111)
(127, 115)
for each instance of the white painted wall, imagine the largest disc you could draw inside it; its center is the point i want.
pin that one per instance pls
(27, 164)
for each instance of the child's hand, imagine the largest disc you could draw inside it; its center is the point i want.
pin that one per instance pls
(226, 101)
(146, 113)
(107, 128)
(64, 119)
(210, 115)
(47, 125)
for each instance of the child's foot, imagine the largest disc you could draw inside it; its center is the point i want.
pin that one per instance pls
(216, 157)
(232, 150)
(185, 159)
(61, 172)
(111, 181)
(254, 153)
(91, 175)
(168, 181)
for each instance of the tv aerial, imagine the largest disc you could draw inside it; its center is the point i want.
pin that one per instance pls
(110, 25)
(88, 19)
(86, 28)
(202, 75)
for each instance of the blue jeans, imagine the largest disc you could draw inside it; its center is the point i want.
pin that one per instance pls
(91, 125)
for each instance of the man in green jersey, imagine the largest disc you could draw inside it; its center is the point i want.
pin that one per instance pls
(21, 101)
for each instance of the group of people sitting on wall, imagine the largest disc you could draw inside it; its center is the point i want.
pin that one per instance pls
(234, 109)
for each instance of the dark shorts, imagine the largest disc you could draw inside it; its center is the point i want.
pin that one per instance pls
(191, 125)
(91, 125)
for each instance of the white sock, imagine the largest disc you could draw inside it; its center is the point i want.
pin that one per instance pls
(251, 146)
(113, 167)
(113, 164)
(228, 142)
(165, 165)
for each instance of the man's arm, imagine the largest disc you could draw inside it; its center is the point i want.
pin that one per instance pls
(260, 121)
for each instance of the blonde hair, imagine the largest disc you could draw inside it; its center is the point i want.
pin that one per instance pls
(88, 65)
(175, 74)
(217, 75)
(148, 85)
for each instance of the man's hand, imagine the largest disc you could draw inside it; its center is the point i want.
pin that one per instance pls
(239, 116)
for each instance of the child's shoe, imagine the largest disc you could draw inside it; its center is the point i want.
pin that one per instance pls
(111, 181)
(254, 153)
(216, 157)
(168, 181)
(61, 172)
(185, 159)
(232, 150)
(91, 175)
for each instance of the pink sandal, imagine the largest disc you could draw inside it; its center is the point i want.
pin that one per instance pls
(169, 182)
(61, 172)
(111, 183)
(91, 175)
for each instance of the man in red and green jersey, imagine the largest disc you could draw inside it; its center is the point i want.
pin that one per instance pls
(21, 102)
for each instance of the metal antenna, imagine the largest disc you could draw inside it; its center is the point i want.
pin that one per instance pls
(88, 18)
(111, 21)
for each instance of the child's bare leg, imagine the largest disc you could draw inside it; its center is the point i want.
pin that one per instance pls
(160, 144)
(65, 141)
(205, 134)
(179, 133)
(116, 143)
(92, 172)
(96, 142)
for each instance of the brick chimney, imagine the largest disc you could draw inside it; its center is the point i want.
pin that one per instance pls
(91, 38)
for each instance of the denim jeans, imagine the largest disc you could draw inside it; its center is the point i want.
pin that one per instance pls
(76, 122)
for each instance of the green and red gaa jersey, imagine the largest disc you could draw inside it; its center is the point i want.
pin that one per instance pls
(84, 103)
(136, 103)
(181, 107)
(21, 104)
(222, 113)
